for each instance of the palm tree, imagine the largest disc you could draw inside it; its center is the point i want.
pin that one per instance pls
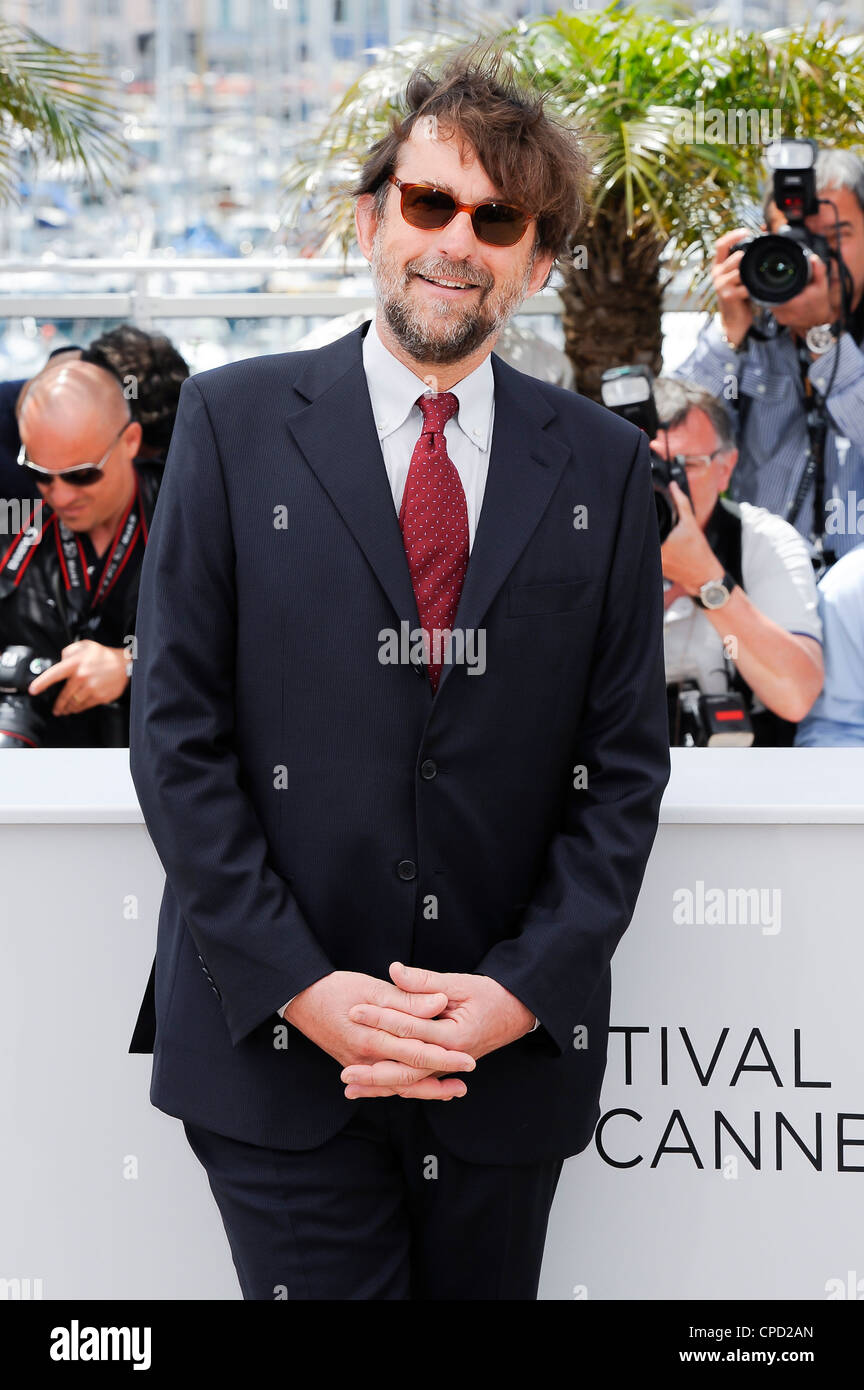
(668, 175)
(52, 104)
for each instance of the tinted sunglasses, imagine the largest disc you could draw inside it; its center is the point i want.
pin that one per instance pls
(82, 475)
(430, 208)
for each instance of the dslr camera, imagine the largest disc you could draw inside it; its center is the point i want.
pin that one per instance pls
(627, 392)
(22, 716)
(778, 266)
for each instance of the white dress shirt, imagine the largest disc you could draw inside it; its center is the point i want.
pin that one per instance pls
(393, 391)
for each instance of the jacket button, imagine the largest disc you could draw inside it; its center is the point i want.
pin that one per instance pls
(428, 770)
(406, 869)
(418, 668)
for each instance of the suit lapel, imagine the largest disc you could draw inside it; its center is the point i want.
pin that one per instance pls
(525, 464)
(337, 435)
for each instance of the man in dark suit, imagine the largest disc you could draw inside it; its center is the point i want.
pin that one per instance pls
(399, 735)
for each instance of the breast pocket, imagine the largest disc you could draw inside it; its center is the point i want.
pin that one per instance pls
(532, 600)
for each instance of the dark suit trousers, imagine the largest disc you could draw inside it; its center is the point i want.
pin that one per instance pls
(380, 1210)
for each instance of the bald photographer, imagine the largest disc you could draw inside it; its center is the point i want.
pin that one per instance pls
(69, 580)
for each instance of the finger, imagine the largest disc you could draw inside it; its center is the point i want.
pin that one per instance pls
(680, 496)
(424, 1004)
(60, 672)
(733, 294)
(729, 273)
(730, 264)
(400, 1057)
(71, 701)
(389, 1075)
(723, 245)
(402, 1025)
(728, 279)
(417, 978)
(431, 1088)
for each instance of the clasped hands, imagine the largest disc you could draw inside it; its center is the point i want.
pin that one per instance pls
(403, 1039)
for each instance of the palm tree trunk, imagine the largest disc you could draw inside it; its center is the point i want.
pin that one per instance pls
(612, 296)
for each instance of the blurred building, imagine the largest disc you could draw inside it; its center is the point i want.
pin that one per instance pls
(307, 50)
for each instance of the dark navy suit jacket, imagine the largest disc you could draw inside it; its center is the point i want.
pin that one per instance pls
(291, 781)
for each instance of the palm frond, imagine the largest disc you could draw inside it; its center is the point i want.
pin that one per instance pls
(56, 104)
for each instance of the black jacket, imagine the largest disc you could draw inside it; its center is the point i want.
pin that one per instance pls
(35, 613)
(315, 809)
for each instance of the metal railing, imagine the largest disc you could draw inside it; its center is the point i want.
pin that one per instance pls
(141, 302)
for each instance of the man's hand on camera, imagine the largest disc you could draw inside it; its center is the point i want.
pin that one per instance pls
(685, 555)
(818, 303)
(733, 300)
(415, 1054)
(94, 675)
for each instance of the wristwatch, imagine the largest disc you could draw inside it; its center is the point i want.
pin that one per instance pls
(715, 592)
(820, 338)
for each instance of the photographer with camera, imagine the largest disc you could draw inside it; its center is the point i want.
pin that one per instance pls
(69, 582)
(741, 604)
(785, 349)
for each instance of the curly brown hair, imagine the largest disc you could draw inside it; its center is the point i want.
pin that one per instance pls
(536, 161)
(159, 372)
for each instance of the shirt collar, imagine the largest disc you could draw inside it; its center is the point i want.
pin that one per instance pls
(394, 388)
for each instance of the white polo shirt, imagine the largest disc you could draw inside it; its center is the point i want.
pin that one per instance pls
(779, 581)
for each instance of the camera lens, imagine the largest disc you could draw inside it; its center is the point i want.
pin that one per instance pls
(774, 269)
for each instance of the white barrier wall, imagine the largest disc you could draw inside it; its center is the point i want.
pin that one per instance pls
(730, 1154)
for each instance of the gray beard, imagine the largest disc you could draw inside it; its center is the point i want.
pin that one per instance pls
(463, 335)
(464, 332)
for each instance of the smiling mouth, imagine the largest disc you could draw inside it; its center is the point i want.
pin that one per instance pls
(441, 283)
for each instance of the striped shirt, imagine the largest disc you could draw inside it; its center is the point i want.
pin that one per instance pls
(773, 451)
(837, 718)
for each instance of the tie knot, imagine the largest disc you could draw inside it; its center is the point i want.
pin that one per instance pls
(437, 408)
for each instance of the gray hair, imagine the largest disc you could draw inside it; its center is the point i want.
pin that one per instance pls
(675, 399)
(834, 169)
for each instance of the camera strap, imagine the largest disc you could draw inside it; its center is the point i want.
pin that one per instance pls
(814, 464)
(81, 594)
(19, 554)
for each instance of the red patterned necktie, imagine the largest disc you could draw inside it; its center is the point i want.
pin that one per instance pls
(434, 521)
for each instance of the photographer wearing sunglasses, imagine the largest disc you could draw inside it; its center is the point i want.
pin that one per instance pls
(69, 580)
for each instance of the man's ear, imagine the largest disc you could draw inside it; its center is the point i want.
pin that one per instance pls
(133, 437)
(728, 468)
(365, 223)
(540, 273)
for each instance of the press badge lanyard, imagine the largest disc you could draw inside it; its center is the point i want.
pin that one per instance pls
(73, 562)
